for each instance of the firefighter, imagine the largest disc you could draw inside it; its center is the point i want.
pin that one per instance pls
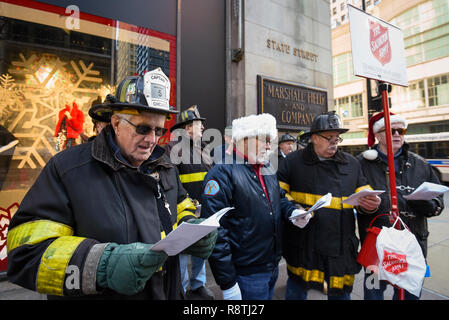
(287, 144)
(323, 248)
(192, 170)
(87, 225)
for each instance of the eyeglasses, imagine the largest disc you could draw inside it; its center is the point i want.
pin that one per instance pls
(338, 139)
(401, 131)
(144, 129)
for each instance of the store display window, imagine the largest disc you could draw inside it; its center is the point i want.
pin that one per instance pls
(55, 63)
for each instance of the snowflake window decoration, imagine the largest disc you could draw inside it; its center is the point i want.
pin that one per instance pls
(30, 109)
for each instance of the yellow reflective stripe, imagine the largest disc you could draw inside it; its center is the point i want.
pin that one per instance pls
(54, 261)
(309, 199)
(307, 275)
(163, 235)
(185, 204)
(123, 90)
(339, 282)
(285, 186)
(127, 111)
(184, 115)
(35, 232)
(289, 197)
(365, 187)
(192, 177)
(184, 214)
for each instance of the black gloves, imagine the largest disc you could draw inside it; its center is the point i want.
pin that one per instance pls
(428, 208)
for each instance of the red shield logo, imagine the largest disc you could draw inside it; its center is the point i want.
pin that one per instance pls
(394, 262)
(379, 42)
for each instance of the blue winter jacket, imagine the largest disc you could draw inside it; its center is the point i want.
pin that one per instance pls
(249, 239)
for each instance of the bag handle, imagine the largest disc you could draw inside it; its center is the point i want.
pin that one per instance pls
(379, 215)
(402, 222)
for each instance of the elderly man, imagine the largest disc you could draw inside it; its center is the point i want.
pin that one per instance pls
(322, 249)
(245, 259)
(192, 168)
(411, 171)
(87, 225)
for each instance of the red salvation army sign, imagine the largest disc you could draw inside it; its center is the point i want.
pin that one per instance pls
(377, 48)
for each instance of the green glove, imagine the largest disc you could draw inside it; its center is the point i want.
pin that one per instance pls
(203, 247)
(126, 268)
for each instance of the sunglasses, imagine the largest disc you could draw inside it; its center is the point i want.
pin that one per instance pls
(144, 129)
(401, 131)
(338, 139)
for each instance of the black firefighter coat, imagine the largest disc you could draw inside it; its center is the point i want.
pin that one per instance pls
(326, 249)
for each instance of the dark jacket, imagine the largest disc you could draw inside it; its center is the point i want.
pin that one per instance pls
(193, 167)
(328, 244)
(412, 171)
(88, 195)
(249, 238)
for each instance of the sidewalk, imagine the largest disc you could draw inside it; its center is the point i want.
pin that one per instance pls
(435, 288)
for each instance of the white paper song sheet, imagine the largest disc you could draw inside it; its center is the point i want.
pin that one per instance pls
(427, 191)
(354, 198)
(321, 202)
(187, 234)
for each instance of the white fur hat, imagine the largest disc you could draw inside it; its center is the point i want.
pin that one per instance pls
(254, 125)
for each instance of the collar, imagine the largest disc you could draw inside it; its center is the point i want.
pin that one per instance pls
(116, 150)
(384, 156)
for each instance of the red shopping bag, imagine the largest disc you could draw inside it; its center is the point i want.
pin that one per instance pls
(367, 256)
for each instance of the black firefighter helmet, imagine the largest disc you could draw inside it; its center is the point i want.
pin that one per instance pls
(328, 121)
(188, 116)
(286, 137)
(147, 93)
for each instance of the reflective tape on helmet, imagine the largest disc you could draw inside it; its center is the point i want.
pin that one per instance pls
(127, 111)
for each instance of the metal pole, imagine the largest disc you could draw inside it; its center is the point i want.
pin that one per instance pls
(391, 170)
